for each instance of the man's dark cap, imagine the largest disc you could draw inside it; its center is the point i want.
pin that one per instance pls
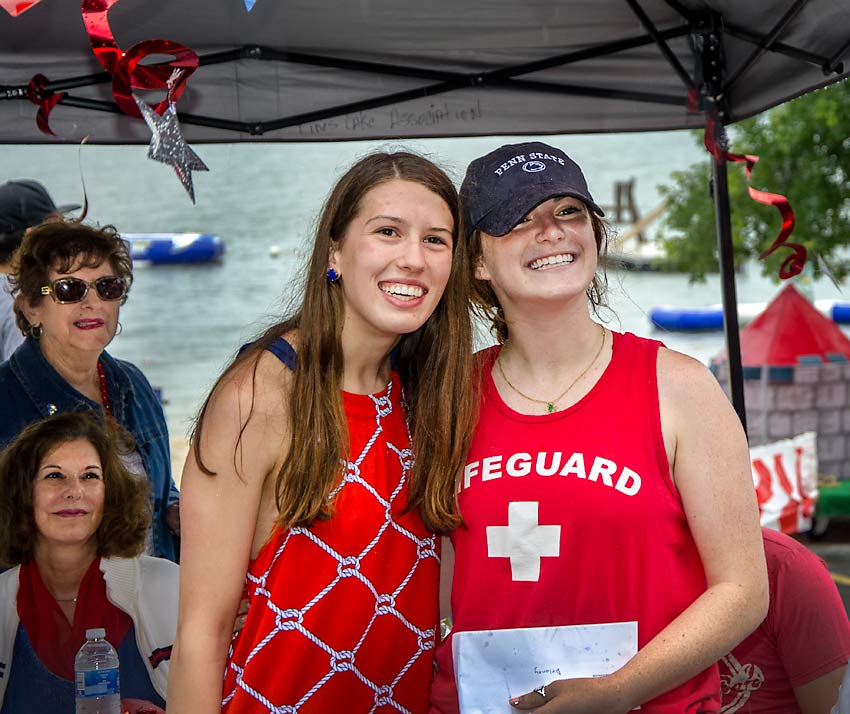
(25, 203)
(499, 189)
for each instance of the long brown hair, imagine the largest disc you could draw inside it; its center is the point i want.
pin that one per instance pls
(434, 363)
(485, 303)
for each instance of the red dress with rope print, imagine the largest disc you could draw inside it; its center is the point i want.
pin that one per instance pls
(343, 614)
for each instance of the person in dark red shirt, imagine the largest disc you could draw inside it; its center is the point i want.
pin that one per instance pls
(794, 661)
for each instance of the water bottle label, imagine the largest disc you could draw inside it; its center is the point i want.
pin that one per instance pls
(97, 683)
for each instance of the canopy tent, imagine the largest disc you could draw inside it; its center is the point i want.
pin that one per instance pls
(299, 70)
(294, 70)
(788, 329)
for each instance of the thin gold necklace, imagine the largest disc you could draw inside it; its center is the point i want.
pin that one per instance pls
(550, 404)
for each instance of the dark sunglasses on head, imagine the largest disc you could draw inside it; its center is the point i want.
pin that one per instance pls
(70, 290)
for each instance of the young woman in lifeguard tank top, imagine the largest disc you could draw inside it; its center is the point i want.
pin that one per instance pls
(301, 490)
(608, 479)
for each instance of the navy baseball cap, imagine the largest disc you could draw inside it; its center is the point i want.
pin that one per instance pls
(509, 182)
(25, 203)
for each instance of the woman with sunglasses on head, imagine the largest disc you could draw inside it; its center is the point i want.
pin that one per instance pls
(69, 283)
(608, 479)
(301, 486)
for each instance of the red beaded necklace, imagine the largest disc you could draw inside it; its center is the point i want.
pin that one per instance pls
(104, 395)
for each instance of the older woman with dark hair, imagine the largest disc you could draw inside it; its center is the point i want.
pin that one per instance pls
(73, 521)
(69, 283)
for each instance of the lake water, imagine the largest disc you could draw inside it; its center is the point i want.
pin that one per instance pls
(183, 324)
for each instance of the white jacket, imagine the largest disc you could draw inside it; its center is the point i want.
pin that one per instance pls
(145, 588)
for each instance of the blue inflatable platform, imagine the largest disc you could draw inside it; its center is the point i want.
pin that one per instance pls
(174, 248)
(710, 317)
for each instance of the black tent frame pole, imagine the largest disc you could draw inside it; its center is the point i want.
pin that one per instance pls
(708, 46)
(725, 250)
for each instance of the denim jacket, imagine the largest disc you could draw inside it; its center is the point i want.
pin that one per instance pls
(30, 389)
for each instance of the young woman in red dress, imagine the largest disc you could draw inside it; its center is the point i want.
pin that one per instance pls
(302, 491)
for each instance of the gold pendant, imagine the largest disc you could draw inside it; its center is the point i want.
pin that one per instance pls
(550, 407)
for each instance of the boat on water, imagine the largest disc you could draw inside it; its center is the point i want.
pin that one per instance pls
(174, 248)
(710, 317)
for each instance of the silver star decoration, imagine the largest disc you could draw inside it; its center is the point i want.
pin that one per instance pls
(168, 145)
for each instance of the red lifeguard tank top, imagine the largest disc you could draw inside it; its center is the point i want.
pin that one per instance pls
(591, 488)
(343, 614)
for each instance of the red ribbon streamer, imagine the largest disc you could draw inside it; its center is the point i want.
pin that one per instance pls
(125, 67)
(793, 264)
(129, 73)
(45, 102)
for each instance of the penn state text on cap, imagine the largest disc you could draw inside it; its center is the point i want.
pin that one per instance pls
(499, 189)
(25, 203)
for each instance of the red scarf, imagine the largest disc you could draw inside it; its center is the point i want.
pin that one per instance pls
(54, 639)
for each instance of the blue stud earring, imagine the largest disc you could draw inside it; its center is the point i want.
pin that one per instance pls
(333, 276)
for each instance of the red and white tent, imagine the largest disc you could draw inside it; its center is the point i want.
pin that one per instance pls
(789, 328)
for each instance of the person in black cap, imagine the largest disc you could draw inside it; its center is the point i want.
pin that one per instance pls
(23, 203)
(608, 479)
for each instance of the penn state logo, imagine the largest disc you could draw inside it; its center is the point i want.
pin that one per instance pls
(533, 167)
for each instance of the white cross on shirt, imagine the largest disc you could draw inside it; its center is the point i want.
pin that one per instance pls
(523, 541)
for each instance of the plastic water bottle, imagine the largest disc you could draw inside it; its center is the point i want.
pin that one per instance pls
(96, 674)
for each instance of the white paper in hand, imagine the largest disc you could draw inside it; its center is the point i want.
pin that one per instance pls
(492, 666)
